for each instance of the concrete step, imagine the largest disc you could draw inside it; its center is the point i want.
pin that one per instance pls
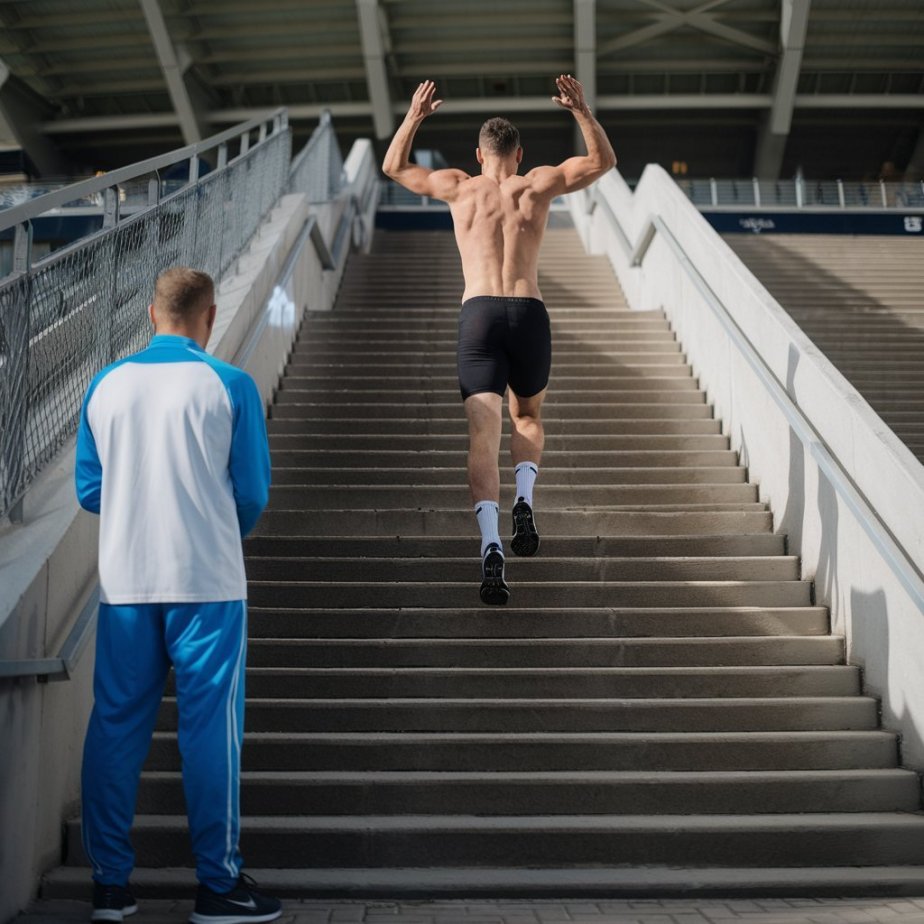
(573, 840)
(505, 751)
(309, 793)
(285, 457)
(442, 377)
(547, 568)
(389, 497)
(644, 340)
(564, 399)
(536, 593)
(519, 683)
(549, 715)
(647, 882)
(426, 426)
(518, 622)
(545, 652)
(550, 476)
(363, 547)
(282, 435)
(372, 324)
(460, 523)
(290, 403)
(622, 355)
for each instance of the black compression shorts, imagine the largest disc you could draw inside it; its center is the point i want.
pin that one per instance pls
(504, 341)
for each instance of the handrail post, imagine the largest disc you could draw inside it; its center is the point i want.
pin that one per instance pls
(111, 210)
(222, 155)
(800, 198)
(756, 183)
(882, 190)
(714, 191)
(841, 198)
(17, 332)
(153, 191)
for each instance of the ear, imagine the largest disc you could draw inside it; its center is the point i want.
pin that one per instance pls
(152, 316)
(213, 311)
(478, 156)
(519, 154)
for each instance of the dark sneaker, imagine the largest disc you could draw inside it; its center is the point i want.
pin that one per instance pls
(242, 904)
(494, 589)
(525, 539)
(112, 902)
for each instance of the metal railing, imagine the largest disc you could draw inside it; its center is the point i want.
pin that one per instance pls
(67, 315)
(358, 195)
(800, 193)
(317, 169)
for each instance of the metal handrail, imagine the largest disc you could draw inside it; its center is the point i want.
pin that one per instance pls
(62, 667)
(898, 559)
(18, 214)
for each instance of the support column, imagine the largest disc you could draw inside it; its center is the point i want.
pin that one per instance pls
(21, 113)
(585, 55)
(774, 130)
(372, 31)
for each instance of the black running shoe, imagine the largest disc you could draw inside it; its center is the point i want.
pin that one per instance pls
(525, 539)
(112, 902)
(494, 589)
(241, 905)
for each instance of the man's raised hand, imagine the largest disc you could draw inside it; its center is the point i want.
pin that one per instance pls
(422, 102)
(570, 94)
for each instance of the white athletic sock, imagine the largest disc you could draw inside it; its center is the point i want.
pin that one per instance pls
(486, 512)
(526, 473)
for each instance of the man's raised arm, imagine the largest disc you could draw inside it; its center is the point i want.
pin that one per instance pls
(577, 172)
(440, 184)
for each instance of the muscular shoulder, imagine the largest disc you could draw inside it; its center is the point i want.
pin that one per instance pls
(545, 180)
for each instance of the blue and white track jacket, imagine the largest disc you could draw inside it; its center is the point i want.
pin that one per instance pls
(172, 454)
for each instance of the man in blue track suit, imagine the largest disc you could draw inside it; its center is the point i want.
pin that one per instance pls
(172, 454)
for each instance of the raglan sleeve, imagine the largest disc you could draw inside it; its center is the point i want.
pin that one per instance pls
(88, 470)
(250, 459)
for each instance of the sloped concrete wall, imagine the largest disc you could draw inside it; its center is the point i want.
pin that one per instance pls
(880, 614)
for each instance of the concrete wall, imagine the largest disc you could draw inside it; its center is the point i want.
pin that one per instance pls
(881, 615)
(48, 564)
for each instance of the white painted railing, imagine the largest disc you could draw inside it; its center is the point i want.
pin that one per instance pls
(848, 494)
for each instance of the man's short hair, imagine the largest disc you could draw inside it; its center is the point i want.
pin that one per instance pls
(499, 137)
(182, 293)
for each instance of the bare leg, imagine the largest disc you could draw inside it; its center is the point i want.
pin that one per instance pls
(527, 437)
(484, 430)
(527, 440)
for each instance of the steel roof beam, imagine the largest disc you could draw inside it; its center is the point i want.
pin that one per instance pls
(648, 102)
(372, 32)
(18, 110)
(774, 130)
(585, 48)
(174, 73)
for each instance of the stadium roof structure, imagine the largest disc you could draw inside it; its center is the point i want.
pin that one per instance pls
(724, 87)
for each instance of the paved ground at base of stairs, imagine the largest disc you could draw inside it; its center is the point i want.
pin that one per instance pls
(753, 911)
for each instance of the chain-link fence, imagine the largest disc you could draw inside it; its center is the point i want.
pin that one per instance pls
(317, 169)
(82, 307)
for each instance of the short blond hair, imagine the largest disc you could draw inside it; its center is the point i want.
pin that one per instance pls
(181, 293)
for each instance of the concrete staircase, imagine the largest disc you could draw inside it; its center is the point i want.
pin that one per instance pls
(660, 708)
(859, 299)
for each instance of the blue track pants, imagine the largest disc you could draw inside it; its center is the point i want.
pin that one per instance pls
(207, 645)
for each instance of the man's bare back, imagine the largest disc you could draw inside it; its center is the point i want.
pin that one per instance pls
(499, 228)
